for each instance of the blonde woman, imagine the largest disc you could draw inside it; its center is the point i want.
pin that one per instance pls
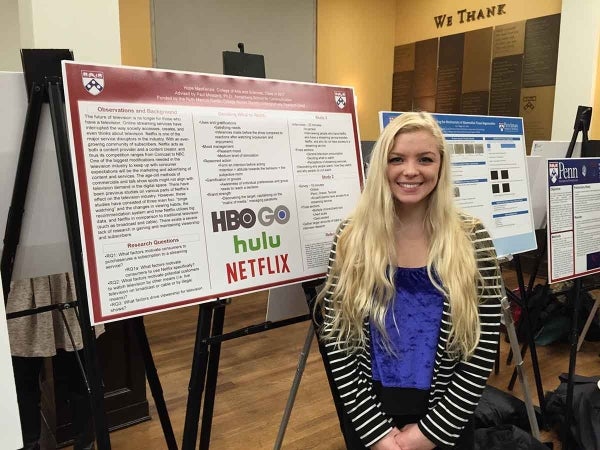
(411, 305)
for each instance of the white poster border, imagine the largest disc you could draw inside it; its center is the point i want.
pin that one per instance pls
(331, 102)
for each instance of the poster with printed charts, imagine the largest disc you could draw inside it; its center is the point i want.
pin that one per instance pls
(489, 173)
(194, 186)
(573, 203)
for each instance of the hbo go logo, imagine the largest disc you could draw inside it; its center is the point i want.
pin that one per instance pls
(231, 219)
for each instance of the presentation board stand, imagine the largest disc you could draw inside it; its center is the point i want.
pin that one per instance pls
(582, 125)
(198, 379)
(205, 364)
(42, 71)
(154, 381)
(229, 185)
(514, 345)
(295, 385)
(310, 293)
(523, 300)
(41, 68)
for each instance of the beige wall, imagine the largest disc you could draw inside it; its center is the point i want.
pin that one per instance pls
(577, 71)
(80, 25)
(595, 126)
(415, 19)
(355, 47)
(9, 36)
(136, 33)
(192, 34)
(92, 32)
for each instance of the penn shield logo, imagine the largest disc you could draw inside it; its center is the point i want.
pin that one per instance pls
(93, 82)
(560, 171)
(553, 171)
(340, 99)
(508, 127)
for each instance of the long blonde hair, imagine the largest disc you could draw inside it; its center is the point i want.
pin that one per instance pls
(360, 282)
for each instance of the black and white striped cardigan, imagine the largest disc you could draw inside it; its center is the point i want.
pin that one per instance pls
(456, 386)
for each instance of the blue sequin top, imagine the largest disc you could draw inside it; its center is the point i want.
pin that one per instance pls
(413, 326)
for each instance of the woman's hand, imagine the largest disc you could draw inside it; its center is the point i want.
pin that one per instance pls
(410, 438)
(388, 442)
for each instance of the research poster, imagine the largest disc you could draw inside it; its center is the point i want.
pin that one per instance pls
(573, 200)
(194, 186)
(490, 175)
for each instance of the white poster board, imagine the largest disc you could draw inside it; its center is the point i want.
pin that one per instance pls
(43, 246)
(10, 425)
(194, 186)
(490, 176)
(538, 174)
(537, 169)
(573, 203)
(554, 149)
(285, 302)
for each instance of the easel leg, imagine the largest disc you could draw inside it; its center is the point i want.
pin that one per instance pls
(295, 385)
(588, 322)
(84, 432)
(154, 382)
(77, 358)
(211, 377)
(514, 343)
(310, 292)
(530, 341)
(575, 301)
(57, 114)
(197, 378)
(497, 362)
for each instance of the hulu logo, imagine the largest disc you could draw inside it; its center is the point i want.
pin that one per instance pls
(262, 242)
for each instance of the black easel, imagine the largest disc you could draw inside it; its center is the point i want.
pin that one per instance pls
(582, 125)
(203, 378)
(523, 299)
(310, 291)
(154, 381)
(205, 362)
(42, 69)
(198, 376)
(44, 85)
